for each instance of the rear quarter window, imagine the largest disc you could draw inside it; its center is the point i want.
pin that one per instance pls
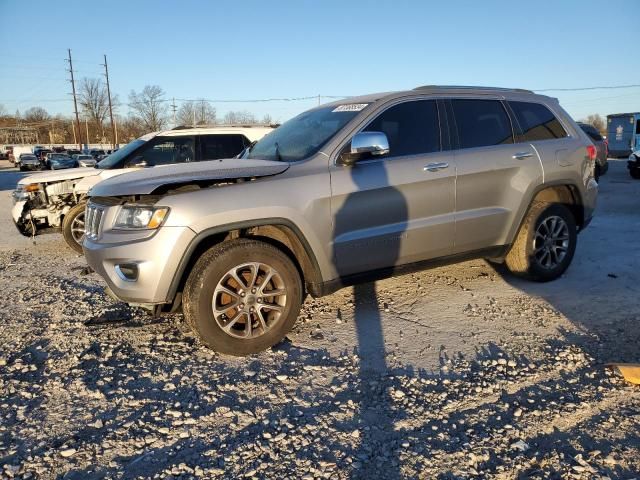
(537, 121)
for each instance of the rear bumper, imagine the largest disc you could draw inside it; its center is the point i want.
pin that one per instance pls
(589, 202)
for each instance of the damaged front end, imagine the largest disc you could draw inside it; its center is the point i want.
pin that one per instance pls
(41, 207)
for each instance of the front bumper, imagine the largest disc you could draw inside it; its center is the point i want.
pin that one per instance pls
(156, 257)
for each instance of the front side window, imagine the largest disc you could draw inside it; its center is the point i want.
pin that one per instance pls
(166, 151)
(481, 123)
(638, 127)
(411, 127)
(214, 147)
(537, 121)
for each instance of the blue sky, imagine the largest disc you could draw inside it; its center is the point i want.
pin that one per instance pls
(255, 49)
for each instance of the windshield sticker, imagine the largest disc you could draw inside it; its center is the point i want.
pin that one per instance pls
(352, 107)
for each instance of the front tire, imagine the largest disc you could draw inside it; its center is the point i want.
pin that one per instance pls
(635, 173)
(73, 227)
(242, 296)
(545, 244)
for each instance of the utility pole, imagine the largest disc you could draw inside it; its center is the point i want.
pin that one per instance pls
(75, 102)
(318, 99)
(173, 106)
(113, 128)
(86, 125)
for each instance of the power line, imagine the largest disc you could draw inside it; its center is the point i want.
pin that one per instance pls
(583, 89)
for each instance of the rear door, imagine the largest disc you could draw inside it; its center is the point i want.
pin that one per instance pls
(493, 172)
(392, 210)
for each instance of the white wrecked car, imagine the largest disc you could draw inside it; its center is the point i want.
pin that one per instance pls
(50, 200)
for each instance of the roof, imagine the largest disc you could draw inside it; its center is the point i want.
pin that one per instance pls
(252, 132)
(435, 89)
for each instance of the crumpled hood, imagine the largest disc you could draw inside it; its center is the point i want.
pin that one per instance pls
(145, 181)
(59, 175)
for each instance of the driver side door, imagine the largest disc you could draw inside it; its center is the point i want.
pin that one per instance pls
(397, 209)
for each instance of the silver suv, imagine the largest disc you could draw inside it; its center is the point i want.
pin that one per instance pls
(347, 192)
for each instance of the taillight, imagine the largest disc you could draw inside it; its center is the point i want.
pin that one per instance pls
(591, 152)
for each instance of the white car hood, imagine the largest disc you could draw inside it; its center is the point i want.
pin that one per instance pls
(147, 180)
(59, 175)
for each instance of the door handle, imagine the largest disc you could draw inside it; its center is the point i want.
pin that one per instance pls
(522, 155)
(434, 167)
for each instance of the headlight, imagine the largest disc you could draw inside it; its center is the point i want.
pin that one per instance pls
(140, 217)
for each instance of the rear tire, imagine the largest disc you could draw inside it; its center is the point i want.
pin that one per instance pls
(73, 227)
(635, 173)
(545, 244)
(245, 320)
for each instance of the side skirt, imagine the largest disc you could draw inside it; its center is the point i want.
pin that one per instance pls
(331, 286)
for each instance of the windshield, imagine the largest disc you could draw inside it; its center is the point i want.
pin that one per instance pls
(115, 157)
(305, 134)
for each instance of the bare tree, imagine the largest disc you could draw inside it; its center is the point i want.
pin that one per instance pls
(240, 118)
(267, 120)
(598, 122)
(3, 111)
(94, 100)
(130, 128)
(36, 115)
(196, 113)
(149, 107)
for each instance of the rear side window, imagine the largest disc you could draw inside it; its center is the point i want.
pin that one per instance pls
(168, 150)
(481, 123)
(411, 127)
(537, 121)
(213, 147)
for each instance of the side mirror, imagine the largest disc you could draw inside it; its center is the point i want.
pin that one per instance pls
(365, 145)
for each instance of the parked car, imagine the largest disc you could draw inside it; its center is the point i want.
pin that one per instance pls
(85, 160)
(53, 200)
(61, 161)
(41, 153)
(96, 152)
(29, 161)
(602, 163)
(5, 151)
(347, 192)
(8, 153)
(49, 156)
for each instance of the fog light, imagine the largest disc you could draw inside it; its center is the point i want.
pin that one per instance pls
(127, 271)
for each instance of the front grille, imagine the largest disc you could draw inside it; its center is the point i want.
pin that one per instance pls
(93, 217)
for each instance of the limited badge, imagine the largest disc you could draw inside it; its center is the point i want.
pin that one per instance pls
(351, 107)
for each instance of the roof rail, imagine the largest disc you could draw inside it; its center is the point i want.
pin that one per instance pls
(226, 125)
(437, 88)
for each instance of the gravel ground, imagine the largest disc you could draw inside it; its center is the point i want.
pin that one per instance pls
(456, 372)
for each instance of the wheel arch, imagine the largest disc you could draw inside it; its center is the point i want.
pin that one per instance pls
(279, 232)
(566, 194)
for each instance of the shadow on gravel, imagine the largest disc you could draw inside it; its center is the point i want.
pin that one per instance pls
(372, 200)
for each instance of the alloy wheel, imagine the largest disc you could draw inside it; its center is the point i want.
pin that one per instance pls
(249, 300)
(551, 242)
